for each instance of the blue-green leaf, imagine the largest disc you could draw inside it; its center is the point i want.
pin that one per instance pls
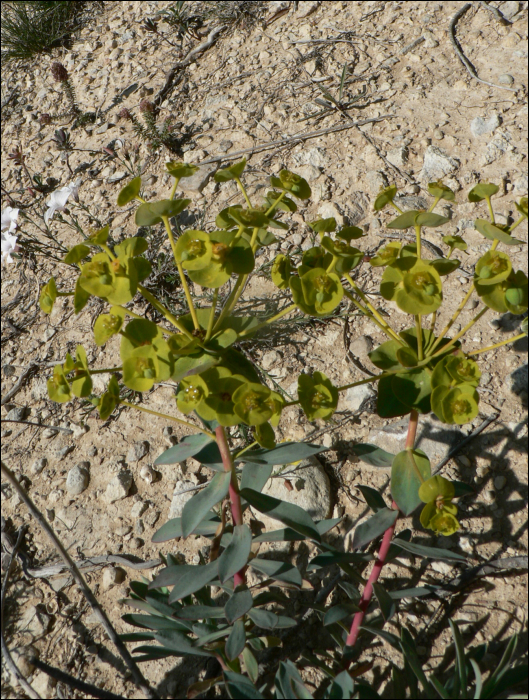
(373, 455)
(236, 640)
(188, 446)
(236, 554)
(374, 527)
(285, 453)
(238, 605)
(287, 513)
(179, 644)
(197, 507)
(241, 688)
(278, 570)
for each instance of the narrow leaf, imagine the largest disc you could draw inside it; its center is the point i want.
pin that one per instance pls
(179, 644)
(236, 554)
(339, 612)
(197, 507)
(373, 455)
(287, 513)
(172, 529)
(278, 570)
(187, 447)
(236, 640)
(255, 476)
(250, 662)
(373, 498)
(240, 687)
(432, 552)
(285, 453)
(386, 602)
(238, 605)
(342, 687)
(186, 579)
(374, 527)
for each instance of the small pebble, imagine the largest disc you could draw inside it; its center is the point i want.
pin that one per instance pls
(63, 451)
(78, 478)
(8, 370)
(49, 433)
(438, 134)
(499, 482)
(92, 451)
(137, 451)
(123, 530)
(17, 413)
(136, 543)
(495, 324)
(506, 79)
(464, 460)
(112, 576)
(38, 465)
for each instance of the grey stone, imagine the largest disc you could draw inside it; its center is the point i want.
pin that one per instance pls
(138, 509)
(92, 451)
(506, 79)
(354, 398)
(376, 181)
(199, 180)
(480, 126)
(9, 371)
(35, 621)
(61, 452)
(516, 381)
(79, 430)
(112, 576)
(17, 413)
(521, 184)
(123, 530)
(434, 438)
(411, 202)
(151, 518)
(78, 478)
(137, 451)
(180, 499)
(116, 177)
(500, 144)
(21, 657)
(269, 359)
(328, 210)
(436, 164)
(499, 482)
(398, 156)
(224, 146)
(38, 465)
(119, 487)
(361, 346)
(315, 156)
(311, 491)
(510, 8)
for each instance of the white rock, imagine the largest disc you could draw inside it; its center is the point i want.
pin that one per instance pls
(398, 156)
(137, 451)
(199, 180)
(38, 465)
(480, 126)
(43, 684)
(376, 181)
(437, 163)
(148, 474)
(361, 346)
(500, 144)
(433, 437)
(138, 509)
(356, 395)
(180, 499)
(21, 657)
(112, 576)
(79, 430)
(328, 210)
(315, 156)
(311, 491)
(442, 567)
(119, 487)
(78, 478)
(34, 621)
(269, 359)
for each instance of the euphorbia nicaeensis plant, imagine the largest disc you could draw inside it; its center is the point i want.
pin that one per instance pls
(210, 609)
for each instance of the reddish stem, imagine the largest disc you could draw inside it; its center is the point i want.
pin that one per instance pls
(235, 499)
(382, 554)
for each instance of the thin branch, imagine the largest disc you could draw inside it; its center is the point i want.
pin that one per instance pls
(464, 60)
(26, 374)
(457, 448)
(37, 425)
(98, 610)
(5, 651)
(74, 682)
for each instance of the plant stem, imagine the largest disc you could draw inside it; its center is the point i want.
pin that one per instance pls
(418, 238)
(180, 269)
(380, 323)
(173, 191)
(212, 316)
(461, 333)
(498, 345)
(517, 223)
(454, 318)
(412, 430)
(270, 320)
(420, 352)
(165, 312)
(238, 181)
(396, 207)
(491, 211)
(166, 417)
(274, 205)
(232, 300)
(109, 369)
(235, 499)
(437, 199)
(368, 590)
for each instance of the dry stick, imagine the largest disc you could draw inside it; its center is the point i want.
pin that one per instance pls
(293, 140)
(212, 36)
(37, 425)
(26, 374)
(5, 651)
(129, 661)
(464, 442)
(464, 60)
(74, 683)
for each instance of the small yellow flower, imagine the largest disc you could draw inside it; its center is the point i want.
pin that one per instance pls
(439, 512)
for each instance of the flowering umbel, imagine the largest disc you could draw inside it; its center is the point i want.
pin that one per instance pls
(439, 512)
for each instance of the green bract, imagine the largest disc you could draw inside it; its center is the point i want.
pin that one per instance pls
(194, 250)
(491, 268)
(455, 242)
(317, 395)
(323, 225)
(286, 204)
(107, 325)
(98, 237)
(113, 280)
(141, 368)
(346, 256)
(384, 197)
(141, 333)
(386, 255)
(417, 218)
(496, 232)
(455, 369)
(455, 405)
(293, 183)
(129, 192)
(76, 254)
(151, 213)
(191, 392)
(256, 404)
(438, 189)
(82, 382)
(439, 512)
(58, 387)
(522, 206)
(482, 191)
(413, 284)
(317, 292)
(110, 399)
(229, 254)
(231, 173)
(218, 404)
(507, 295)
(47, 296)
(180, 170)
(281, 271)
(349, 233)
